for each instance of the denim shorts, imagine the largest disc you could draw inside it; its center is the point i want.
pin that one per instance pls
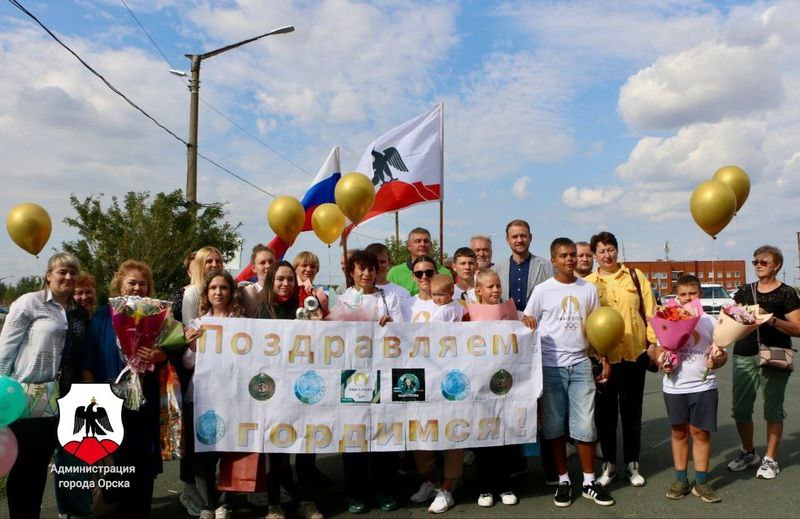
(568, 398)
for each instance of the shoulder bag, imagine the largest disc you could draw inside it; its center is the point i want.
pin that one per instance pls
(643, 359)
(772, 357)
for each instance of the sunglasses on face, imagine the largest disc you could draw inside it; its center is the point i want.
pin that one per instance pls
(424, 273)
(761, 262)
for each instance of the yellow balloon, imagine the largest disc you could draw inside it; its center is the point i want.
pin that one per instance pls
(327, 221)
(713, 205)
(354, 195)
(286, 217)
(735, 178)
(604, 329)
(29, 226)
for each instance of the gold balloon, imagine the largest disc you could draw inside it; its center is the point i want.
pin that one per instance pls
(604, 329)
(29, 226)
(354, 195)
(327, 221)
(286, 217)
(713, 205)
(735, 178)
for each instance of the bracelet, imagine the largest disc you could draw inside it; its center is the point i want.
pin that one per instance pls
(773, 321)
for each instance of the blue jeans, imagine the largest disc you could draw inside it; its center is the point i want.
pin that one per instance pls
(568, 392)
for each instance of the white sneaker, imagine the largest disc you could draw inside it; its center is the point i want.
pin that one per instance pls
(769, 469)
(634, 476)
(427, 490)
(223, 512)
(469, 457)
(207, 514)
(442, 503)
(608, 475)
(744, 460)
(571, 450)
(486, 500)
(309, 510)
(258, 499)
(509, 498)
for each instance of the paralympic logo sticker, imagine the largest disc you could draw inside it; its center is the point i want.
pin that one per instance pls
(209, 428)
(309, 387)
(455, 385)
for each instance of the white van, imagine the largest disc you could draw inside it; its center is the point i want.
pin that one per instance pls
(713, 297)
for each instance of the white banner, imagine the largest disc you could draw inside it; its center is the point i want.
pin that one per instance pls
(315, 386)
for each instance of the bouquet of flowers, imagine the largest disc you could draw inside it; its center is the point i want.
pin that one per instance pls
(138, 323)
(673, 324)
(736, 322)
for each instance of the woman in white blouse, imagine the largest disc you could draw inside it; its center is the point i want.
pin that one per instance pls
(32, 344)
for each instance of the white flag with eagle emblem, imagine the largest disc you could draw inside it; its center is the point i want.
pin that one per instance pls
(406, 164)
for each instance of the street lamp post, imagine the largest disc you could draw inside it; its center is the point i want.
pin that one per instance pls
(194, 99)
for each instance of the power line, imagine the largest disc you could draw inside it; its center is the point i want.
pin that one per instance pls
(19, 6)
(22, 8)
(226, 170)
(209, 105)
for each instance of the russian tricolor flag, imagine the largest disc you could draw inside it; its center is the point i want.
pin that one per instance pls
(320, 192)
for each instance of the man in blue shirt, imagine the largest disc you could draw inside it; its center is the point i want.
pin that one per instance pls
(523, 270)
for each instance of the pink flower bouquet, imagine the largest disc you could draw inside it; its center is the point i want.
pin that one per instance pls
(736, 322)
(673, 324)
(138, 323)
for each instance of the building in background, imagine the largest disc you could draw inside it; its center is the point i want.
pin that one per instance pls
(663, 274)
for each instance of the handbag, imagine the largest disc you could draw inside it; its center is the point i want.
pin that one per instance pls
(41, 400)
(644, 360)
(772, 357)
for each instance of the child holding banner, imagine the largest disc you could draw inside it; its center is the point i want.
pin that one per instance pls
(560, 307)
(494, 476)
(691, 399)
(279, 299)
(217, 299)
(441, 291)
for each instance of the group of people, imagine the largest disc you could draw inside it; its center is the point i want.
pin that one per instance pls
(55, 337)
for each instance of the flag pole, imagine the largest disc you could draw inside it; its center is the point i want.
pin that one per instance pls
(397, 226)
(441, 187)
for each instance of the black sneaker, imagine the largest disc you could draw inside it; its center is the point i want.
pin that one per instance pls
(563, 495)
(597, 493)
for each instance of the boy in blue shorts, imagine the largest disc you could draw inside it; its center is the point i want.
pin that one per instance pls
(691, 399)
(560, 307)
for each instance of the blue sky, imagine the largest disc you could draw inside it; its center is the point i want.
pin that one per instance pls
(577, 116)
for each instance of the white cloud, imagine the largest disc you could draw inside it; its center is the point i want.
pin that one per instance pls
(520, 188)
(703, 84)
(694, 153)
(345, 62)
(581, 198)
(507, 114)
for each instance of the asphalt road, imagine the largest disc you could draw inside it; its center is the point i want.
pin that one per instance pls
(742, 494)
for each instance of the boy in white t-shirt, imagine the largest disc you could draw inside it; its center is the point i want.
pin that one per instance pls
(560, 307)
(691, 399)
(465, 265)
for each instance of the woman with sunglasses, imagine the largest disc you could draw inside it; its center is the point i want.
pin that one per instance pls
(782, 302)
(420, 308)
(370, 473)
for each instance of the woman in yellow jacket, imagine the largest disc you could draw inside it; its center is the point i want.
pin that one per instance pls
(623, 390)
